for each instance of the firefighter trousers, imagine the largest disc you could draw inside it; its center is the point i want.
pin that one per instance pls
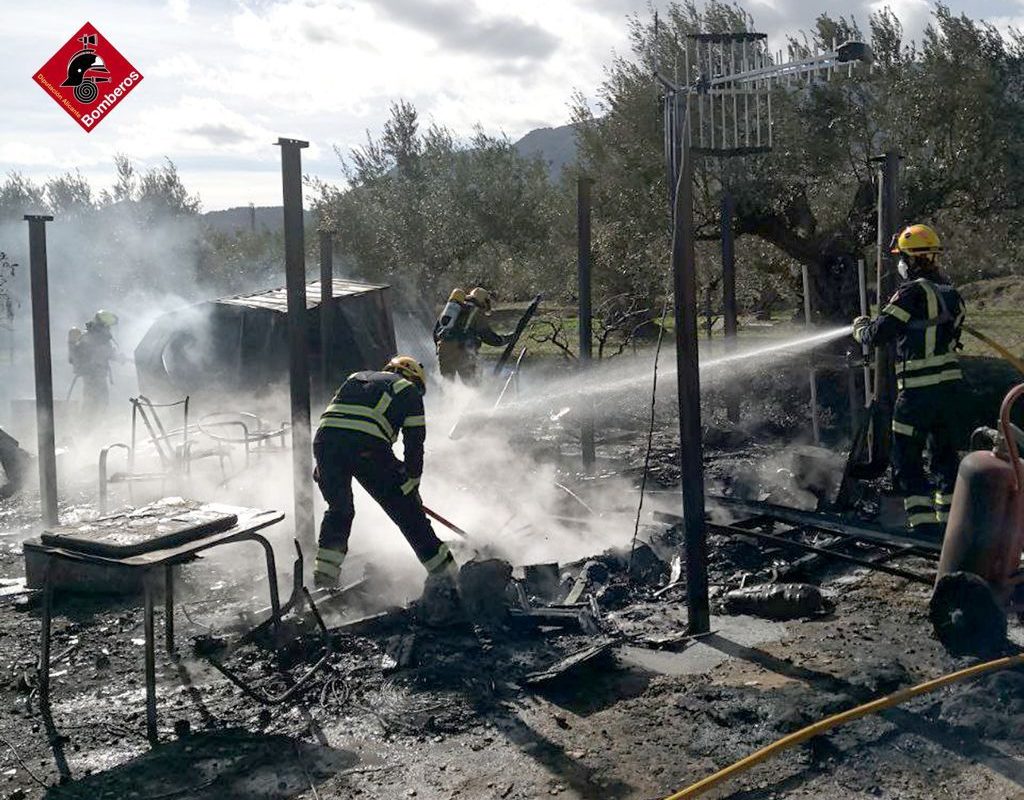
(343, 455)
(457, 358)
(925, 419)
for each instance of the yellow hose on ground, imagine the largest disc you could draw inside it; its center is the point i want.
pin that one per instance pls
(828, 723)
(1010, 357)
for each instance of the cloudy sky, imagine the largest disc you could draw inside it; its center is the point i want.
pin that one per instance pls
(225, 78)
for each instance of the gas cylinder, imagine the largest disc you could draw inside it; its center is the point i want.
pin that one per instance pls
(450, 315)
(981, 551)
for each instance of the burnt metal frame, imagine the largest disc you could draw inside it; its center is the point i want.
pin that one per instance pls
(830, 523)
(749, 527)
(176, 459)
(763, 515)
(244, 531)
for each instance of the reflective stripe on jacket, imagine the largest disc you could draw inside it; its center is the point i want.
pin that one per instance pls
(380, 405)
(924, 318)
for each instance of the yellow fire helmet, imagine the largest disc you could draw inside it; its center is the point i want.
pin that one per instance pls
(107, 318)
(481, 298)
(916, 240)
(457, 296)
(410, 369)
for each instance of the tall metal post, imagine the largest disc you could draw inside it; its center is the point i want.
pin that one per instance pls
(885, 377)
(586, 332)
(43, 367)
(298, 340)
(729, 293)
(691, 452)
(815, 428)
(326, 312)
(862, 287)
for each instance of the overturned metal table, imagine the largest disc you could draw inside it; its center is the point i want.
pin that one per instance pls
(246, 528)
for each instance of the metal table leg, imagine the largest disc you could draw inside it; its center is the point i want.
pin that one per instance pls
(275, 598)
(150, 660)
(169, 608)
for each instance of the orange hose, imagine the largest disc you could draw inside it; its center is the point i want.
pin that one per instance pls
(835, 720)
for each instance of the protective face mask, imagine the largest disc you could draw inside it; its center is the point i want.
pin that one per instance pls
(903, 268)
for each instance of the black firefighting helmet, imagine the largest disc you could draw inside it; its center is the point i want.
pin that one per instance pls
(82, 62)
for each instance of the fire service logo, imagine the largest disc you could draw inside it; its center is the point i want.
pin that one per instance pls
(87, 77)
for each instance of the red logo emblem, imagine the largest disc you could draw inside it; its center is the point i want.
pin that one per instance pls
(87, 77)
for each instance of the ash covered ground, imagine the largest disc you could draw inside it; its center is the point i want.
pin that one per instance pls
(406, 708)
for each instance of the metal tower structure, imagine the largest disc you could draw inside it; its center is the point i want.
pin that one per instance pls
(723, 109)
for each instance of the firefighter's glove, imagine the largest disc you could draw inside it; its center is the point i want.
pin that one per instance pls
(860, 326)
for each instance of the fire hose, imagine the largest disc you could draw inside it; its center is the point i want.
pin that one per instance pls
(1017, 363)
(882, 703)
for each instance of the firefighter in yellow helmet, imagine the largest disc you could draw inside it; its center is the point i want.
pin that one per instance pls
(924, 318)
(354, 440)
(460, 331)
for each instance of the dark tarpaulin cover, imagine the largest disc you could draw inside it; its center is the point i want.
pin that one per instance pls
(240, 344)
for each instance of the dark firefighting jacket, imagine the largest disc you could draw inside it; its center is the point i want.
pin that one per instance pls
(376, 406)
(924, 318)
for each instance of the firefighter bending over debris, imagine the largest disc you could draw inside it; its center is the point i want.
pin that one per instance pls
(924, 317)
(90, 353)
(354, 440)
(461, 329)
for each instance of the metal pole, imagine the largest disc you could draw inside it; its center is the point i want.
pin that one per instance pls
(43, 366)
(815, 430)
(298, 344)
(691, 457)
(586, 332)
(326, 312)
(729, 293)
(863, 287)
(885, 377)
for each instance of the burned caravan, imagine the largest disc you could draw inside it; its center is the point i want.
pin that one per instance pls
(240, 344)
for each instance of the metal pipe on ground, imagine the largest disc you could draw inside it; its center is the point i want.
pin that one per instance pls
(46, 440)
(298, 339)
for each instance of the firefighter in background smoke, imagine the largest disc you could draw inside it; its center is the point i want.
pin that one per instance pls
(460, 330)
(15, 462)
(90, 353)
(354, 440)
(924, 318)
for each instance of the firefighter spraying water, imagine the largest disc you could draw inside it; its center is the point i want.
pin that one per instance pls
(924, 318)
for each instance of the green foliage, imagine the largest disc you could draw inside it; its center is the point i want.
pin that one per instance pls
(142, 233)
(953, 109)
(426, 212)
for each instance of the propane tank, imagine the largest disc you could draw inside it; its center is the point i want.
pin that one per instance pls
(449, 318)
(981, 551)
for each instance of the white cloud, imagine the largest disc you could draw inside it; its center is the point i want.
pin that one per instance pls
(225, 78)
(179, 9)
